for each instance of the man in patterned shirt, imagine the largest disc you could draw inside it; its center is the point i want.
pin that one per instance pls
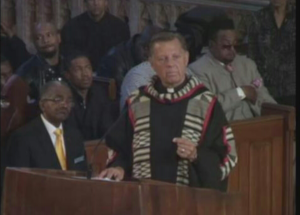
(272, 45)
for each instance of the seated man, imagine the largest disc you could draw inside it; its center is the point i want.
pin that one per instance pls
(233, 78)
(12, 47)
(46, 65)
(174, 130)
(94, 32)
(121, 58)
(14, 107)
(92, 113)
(6, 70)
(46, 142)
(136, 77)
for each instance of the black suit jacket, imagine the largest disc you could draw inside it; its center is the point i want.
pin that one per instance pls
(31, 146)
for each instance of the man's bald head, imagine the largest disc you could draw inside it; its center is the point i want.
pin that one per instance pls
(46, 39)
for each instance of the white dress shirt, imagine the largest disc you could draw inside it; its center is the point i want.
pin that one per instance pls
(51, 129)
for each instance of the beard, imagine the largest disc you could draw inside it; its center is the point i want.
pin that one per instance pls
(49, 54)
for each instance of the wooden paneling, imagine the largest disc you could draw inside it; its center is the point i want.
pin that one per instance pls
(36, 192)
(259, 170)
(264, 174)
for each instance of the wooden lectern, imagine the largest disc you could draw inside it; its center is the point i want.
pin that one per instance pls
(265, 172)
(43, 192)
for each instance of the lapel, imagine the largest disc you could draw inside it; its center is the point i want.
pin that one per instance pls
(46, 144)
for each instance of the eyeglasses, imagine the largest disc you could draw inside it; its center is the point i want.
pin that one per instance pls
(227, 47)
(60, 101)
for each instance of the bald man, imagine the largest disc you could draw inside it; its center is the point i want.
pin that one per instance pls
(46, 65)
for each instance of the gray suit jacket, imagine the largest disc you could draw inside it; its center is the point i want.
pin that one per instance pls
(218, 80)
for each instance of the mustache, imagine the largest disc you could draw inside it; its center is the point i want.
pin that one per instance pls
(50, 54)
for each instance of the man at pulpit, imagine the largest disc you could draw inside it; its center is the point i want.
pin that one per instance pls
(233, 78)
(173, 129)
(46, 142)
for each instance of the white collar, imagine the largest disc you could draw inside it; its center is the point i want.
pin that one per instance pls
(49, 126)
(170, 90)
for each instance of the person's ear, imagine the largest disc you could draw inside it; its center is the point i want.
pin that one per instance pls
(41, 104)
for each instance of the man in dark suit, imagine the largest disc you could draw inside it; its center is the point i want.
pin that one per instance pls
(46, 142)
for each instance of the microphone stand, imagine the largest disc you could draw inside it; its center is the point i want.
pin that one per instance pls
(90, 165)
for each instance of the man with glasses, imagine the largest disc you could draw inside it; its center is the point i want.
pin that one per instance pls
(46, 142)
(232, 77)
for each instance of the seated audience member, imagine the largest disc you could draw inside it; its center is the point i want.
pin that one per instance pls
(94, 32)
(46, 65)
(233, 78)
(93, 111)
(14, 108)
(46, 142)
(12, 47)
(182, 149)
(138, 76)
(121, 58)
(272, 45)
(193, 25)
(6, 70)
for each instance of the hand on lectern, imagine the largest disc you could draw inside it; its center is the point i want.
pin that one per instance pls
(114, 173)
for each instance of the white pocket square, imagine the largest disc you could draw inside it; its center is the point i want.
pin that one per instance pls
(79, 159)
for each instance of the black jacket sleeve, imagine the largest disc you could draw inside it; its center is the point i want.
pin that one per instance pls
(120, 140)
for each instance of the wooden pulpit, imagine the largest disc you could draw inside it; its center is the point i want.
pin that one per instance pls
(265, 173)
(52, 192)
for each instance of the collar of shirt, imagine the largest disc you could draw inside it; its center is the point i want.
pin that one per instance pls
(51, 129)
(162, 89)
(77, 96)
(213, 58)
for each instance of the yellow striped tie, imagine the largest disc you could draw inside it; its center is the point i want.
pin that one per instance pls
(59, 149)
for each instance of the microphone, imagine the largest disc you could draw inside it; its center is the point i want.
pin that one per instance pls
(90, 165)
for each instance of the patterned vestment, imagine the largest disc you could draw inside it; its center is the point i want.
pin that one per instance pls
(143, 139)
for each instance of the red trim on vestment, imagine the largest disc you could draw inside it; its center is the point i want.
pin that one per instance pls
(226, 159)
(225, 140)
(130, 113)
(207, 118)
(190, 93)
(164, 101)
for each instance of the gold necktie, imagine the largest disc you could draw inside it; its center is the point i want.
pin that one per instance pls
(59, 149)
